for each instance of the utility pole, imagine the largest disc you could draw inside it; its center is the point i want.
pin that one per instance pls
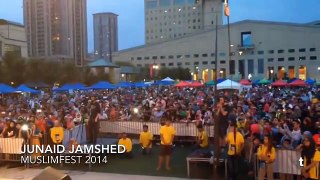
(216, 117)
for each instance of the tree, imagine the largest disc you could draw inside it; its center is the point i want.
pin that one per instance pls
(143, 74)
(13, 68)
(69, 74)
(175, 73)
(102, 75)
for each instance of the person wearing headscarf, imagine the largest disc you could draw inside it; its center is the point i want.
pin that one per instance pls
(311, 157)
(10, 131)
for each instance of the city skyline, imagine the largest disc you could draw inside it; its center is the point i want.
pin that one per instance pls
(132, 25)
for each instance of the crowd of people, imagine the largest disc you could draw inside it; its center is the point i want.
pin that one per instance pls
(254, 121)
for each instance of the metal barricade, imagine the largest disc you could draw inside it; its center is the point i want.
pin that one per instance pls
(287, 162)
(78, 133)
(183, 130)
(10, 149)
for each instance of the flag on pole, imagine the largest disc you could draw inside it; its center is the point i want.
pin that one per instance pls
(226, 9)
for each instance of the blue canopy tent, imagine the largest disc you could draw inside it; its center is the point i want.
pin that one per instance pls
(125, 85)
(102, 85)
(255, 82)
(24, 88)
(67, 87)
(167, 81)
(5, 89)
(220, 80)
(310, 81)
(140, 85)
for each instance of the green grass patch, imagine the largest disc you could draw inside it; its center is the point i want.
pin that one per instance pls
(140, 164)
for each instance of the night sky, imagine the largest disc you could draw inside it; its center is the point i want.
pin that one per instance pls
(131, 14)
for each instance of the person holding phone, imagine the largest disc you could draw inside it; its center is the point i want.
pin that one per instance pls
(266, 155)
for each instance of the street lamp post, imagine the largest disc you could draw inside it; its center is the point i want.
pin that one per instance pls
(221, 74)
(155, 67)
(216, 117)
(271, 74)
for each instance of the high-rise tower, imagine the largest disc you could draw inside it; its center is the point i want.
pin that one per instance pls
(169, 19)
(56, 29)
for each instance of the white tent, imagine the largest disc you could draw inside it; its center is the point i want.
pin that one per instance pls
(228, 84)
(167, 79)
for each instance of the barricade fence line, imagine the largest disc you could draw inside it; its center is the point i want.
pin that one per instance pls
(11, 148)
(287, 162)
(78, 133)
(135, 127)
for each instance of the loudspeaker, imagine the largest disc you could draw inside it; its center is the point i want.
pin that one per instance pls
(50, 173)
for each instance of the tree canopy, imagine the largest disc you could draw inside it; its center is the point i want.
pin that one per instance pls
(18, 70)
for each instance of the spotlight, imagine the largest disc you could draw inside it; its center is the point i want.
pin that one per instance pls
(25, 127)
(135, 110)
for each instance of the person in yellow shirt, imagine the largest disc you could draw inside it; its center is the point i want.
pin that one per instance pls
(235, 143)
(57, 133)
(202, 138)
(145, 139)
(127, 143)
(311, 159)
(266, 155)
(167, 133)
